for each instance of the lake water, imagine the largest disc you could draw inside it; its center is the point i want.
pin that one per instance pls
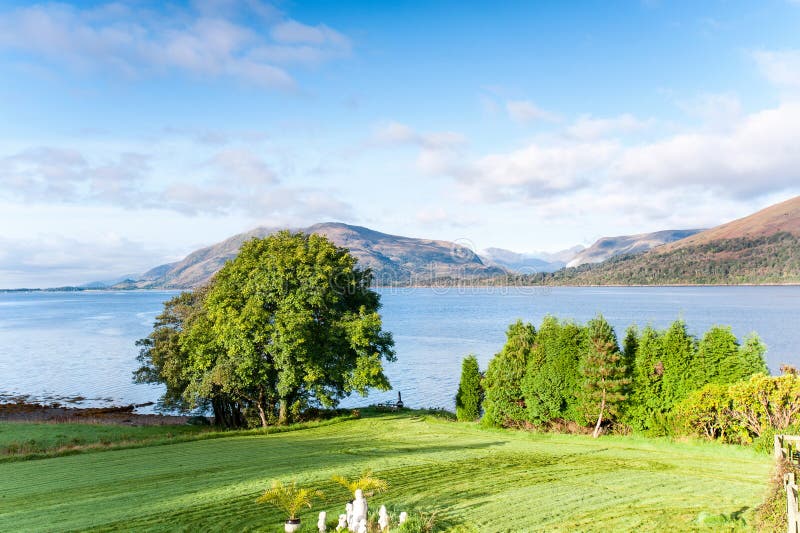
(60, 345)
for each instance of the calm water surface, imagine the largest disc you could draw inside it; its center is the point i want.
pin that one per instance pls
(57, 345)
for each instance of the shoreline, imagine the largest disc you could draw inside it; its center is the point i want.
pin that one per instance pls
(24, 412)
(438, 287)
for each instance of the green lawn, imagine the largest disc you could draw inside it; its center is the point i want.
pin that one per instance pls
(492, 480)
(22, 439)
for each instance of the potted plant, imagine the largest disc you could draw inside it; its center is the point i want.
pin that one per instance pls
(368, 483)
(290, 499)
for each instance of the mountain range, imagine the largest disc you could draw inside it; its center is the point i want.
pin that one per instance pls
(394, 260)
(761, 248)
(757, 249)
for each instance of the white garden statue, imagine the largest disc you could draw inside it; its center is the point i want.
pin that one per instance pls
(351, 523)
(383, 518)
(359, 509)
(403, 517)
(321, 526)
(342, 522)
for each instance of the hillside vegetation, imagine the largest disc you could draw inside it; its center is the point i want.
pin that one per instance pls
(768, 259)
(489, 480)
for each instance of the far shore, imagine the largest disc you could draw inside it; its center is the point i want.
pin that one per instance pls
(438, 287)
(59, 414)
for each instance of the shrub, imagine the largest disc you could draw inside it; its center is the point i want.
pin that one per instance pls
(470, 392)
(289, 498)
(503, 402)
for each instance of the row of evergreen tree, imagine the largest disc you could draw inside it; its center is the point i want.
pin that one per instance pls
(570, 372)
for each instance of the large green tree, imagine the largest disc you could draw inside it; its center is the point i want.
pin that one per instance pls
(290, 321)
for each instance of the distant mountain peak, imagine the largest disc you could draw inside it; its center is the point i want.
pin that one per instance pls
(608, 247)
(393, 259)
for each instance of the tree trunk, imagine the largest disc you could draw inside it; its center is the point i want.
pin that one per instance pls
(283, 412)
(600, 416)
(261, 412)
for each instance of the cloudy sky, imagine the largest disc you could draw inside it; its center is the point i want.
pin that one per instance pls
(132, 133)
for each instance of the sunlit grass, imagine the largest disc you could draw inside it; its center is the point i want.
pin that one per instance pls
(494, 480)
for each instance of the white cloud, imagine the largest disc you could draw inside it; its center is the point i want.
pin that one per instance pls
(437, 150)
(293, 32)
(210, 40)
(781, 68)
(234, 180)
(758, 156)
(397, 133)
(54, 260)
(536, 171)
(242, 166)
(524, 111)
(589, 127)
(715, 110)
(754, 156)
(58, 174)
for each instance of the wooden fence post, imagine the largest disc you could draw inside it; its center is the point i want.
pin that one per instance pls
(791, 502)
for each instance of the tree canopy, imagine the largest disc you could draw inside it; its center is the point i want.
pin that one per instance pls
(290, 322)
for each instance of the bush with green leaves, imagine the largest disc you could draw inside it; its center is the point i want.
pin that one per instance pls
(744, 412)
(552, 384)
(470, 393)
(503, 402)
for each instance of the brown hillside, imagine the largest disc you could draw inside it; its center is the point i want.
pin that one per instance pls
(782, 217)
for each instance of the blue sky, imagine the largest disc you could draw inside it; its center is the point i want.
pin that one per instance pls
(133, 132)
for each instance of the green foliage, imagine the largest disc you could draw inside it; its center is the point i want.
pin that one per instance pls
(743, 412)
(751, 360)
(603, 372)
(679, 378)
(368, 483)
(706, 412)
(576, 373)
(289, 498)
(290, 322)
(551, 386)
(470, 392)
(644, 405)
(769, 259)
(503, 403)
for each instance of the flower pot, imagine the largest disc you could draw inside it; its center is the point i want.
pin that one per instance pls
(292, 525)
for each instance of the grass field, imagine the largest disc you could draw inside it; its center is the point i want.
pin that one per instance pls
(19, 440)
(493, 480)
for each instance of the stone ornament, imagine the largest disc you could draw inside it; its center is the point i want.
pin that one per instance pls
(359, 509)
(323, 516)
(383, 518)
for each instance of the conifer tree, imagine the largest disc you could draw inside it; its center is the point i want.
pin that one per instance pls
(470, 392)
(751, 359)
(503, 401)
(717, 357)
(604, 373)
(679, 351)
(645, 399)
(552, 383)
